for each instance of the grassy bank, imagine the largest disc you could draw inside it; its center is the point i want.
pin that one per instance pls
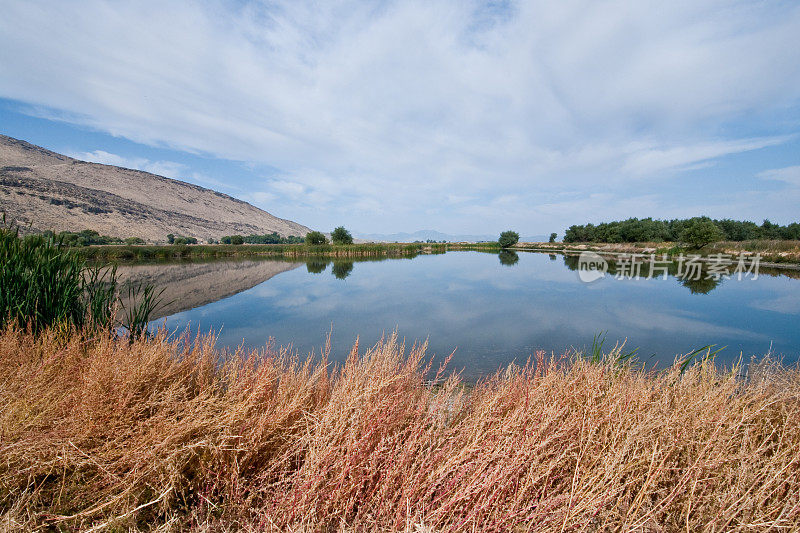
(292, 251)
(109, 435)
(169, 252)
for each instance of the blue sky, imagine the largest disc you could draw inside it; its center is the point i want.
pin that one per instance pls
(463, 116)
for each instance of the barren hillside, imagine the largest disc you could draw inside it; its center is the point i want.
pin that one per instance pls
(47, 190)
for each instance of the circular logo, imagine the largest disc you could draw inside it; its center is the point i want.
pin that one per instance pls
(591, 267)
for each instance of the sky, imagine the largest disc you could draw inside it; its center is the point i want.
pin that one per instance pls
(455, 115)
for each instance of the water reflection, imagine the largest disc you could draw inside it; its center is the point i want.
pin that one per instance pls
(342, 269)
(508, 257)
(702, 285)
(492, 309)
(698, 284)
(191, 284)
(315, 266)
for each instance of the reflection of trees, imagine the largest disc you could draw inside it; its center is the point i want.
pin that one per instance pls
(342, 269)
(571, 262)
(508, 257)
(552, 257)
(700, 286)
(696, 286)
(316, 266)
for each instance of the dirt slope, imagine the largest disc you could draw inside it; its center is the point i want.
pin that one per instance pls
(47, 190)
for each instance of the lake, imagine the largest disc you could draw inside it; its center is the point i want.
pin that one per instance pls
(490, 309)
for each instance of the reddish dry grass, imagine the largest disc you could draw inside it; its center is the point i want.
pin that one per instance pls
(101, 435)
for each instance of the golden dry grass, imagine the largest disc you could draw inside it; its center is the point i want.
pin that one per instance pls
(101, 435)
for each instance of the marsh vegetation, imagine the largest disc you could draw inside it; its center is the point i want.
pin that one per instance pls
(108, 435)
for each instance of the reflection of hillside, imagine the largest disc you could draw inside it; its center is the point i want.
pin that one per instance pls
(190, 285)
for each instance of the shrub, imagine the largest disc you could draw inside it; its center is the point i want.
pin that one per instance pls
(237, 239)
(180, 239)
(341, 236)
(316, 238)
(701, 232)
(508, 238)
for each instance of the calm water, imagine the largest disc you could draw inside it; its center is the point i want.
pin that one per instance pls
(489, 312)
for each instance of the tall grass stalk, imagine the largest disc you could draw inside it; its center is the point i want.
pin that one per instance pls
(165, 435)
(143, 300)
(100, 295)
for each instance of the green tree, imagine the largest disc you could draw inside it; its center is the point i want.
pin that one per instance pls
(553, 237)
(508, 238)
(341, 236)
(171, 238)
(316, 238)
(237, 239)
(700, 232)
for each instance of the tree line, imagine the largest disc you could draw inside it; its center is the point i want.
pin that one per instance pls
(650, 230)
(87, 237)
(339, 235)
(267, 238)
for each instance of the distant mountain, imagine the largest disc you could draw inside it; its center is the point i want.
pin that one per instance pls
(429, 234)
(44, 190)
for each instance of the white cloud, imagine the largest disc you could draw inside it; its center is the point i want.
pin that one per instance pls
(169, 169)
(789, 175)
(262, 197)
(402, 107)
(288, 188)
(105, 158)
(650, 161)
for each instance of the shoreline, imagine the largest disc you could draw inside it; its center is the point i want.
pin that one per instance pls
(130, 253)
(164, 253)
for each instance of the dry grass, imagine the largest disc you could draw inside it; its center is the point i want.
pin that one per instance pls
(773, 251)
(102, 435)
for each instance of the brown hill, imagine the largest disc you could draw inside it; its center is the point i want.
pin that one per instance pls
(50, 191)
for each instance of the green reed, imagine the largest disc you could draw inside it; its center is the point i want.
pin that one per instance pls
(44, 283)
